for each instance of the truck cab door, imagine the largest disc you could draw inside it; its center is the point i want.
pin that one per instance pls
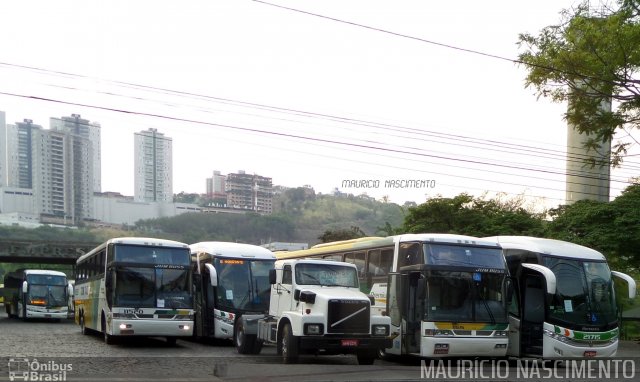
(283, 292)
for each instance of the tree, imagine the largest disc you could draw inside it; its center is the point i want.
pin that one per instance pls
(590, 58)
(612, 228)
(466, 215)
(341, 234)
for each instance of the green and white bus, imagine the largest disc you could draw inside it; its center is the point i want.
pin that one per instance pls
(445, 293)
(564, 305)
(230, 279)
(134, 286)
(36, 293)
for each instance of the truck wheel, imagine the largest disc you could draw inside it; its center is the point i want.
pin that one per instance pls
(289, 345)
(257, 347)
(245, 343)
(366, 357)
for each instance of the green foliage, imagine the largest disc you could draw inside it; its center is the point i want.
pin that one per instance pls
(589, 59)
(341, 234)
(466, 215)
(612, 228)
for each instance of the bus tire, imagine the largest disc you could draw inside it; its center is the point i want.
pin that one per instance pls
(289, 345)
(83, 327)
(366, 357)
(245, 343)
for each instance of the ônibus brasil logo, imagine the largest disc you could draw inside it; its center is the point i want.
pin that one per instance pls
(23, 369)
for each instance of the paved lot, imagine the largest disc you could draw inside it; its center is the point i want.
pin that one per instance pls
(56, 346)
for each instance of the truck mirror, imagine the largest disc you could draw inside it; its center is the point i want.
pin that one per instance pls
(25, 287)
(272, 276)
(296, 294)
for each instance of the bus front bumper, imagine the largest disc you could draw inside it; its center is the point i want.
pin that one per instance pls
(463, 346)
(42, 312)
(169, 328)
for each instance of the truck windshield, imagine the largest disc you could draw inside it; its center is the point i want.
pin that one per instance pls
(465, 297)
(584, 292)
(326, 274)
(243, 285)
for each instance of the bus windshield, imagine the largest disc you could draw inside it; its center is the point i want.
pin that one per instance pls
(457, 255)
(47, 295)
(584, 292)
(147, 287)
(329, 274)
(465, 297)
(243, 284)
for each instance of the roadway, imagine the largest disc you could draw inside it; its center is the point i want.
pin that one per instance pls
(60, 345)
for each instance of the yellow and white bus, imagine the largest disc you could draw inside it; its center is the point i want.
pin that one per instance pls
(565, 302)
(445, 294)
(133, 286)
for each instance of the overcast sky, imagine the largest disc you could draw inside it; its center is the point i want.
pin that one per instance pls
(244, 85)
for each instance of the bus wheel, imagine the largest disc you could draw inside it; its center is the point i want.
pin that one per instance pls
(289, 345)
(366, 357)
(83, 328)
(244, 342)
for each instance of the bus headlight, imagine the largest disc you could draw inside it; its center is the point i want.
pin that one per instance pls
(313, 329)
(380, 330)
(500, 333)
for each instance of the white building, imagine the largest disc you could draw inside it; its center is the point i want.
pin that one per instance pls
(153, 164)
(76, 125)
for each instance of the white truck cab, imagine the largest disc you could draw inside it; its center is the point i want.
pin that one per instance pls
(316, 307)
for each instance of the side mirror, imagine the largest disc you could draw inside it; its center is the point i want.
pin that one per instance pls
(272, 276)
(296, 294)
(69, 290)
(25, 287)
(213, 275)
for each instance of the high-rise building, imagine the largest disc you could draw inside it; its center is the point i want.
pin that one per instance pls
(90, 130)
(3, 149)
(247, 191)
(19, 151)
(216, 186)
(153, 179)
(63, 175)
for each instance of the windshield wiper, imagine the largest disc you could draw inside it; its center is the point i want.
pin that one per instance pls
(311, 277)
(486, 306)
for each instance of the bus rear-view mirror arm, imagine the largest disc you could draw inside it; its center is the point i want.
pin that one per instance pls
(548, 274)
(213, 275)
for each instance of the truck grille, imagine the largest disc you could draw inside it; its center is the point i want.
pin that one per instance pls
(348, 316)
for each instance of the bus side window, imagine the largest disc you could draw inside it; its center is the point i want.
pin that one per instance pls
(332, 257)
(356, 258)
(410, 254)
(379, 264)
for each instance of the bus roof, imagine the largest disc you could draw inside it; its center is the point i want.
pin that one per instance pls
(43, 272)
(375, 241)
(135, 241)
(447, 238)
(548, 247)
(226, 249)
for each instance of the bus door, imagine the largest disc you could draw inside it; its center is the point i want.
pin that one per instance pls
(414, 284)
(208, 306)
(393, 306)
(533, 313)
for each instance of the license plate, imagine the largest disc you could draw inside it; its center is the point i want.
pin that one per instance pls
(349, 342)
(590, 353)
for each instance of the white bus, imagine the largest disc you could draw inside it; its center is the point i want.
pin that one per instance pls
(134, 286)
(36, 293)
(445, 294)
(564, 302)
(230, 280)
